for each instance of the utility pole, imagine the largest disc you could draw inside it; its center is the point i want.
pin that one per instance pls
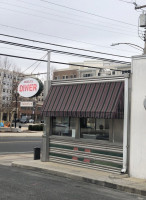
(47, 120)
(142, 24)
(48, 75)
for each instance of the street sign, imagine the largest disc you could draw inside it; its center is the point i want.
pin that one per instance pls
(26, 104)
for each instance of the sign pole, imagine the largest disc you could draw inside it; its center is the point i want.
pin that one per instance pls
(47, 120)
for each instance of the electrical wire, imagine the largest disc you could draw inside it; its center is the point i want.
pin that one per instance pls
(62, 52)
(68, 18)
(59, 20)
(76, 15)
(39, 63)
(82, 11)
(18, 49)
(33, 64)
(126, 1)
(28, 3)
(64, 46)
(44, 34)
(56, 62)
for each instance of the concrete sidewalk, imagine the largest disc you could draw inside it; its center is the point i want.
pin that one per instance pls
(24, 133)
(120, 182)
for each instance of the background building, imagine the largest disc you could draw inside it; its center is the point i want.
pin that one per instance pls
(81, 69)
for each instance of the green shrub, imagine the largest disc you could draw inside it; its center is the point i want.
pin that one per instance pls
(38, 127)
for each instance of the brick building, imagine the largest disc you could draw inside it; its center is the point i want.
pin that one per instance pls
(65, 74)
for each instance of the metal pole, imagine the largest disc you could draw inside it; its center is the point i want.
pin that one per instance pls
(125, 128)
(47, 120)
(16, 109)
(144, 51)
(16, 103)
(48, 75)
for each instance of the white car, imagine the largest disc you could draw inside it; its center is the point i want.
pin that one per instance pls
(31, 120)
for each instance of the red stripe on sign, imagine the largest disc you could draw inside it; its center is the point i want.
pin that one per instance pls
(86, 160)
(75, 148)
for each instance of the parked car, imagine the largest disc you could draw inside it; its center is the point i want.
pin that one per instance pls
(24, 120)
(31, 120)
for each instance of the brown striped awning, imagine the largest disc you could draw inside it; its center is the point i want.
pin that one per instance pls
(96, 100)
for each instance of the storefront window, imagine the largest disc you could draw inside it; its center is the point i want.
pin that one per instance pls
(64, 126)
(92, 128)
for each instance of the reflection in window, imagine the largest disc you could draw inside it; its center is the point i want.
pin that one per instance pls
(63, 126)
(92, 128)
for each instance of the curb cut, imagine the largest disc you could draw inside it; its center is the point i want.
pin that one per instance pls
(85, 179)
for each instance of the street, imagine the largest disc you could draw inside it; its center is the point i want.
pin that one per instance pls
(21, 184)
(24, 184)
(18, 144)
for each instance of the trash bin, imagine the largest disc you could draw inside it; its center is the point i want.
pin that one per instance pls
(37, 153)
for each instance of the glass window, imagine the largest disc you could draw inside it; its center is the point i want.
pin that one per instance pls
(92, 128)
(64, 126)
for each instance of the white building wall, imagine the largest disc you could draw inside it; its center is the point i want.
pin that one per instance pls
(137, 167)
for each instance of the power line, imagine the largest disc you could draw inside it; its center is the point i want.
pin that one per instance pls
(82, 11)
(19, 49)
(56, 62)
(86, 26)
(54, 9)
(62, 16)
(33, 64)
(39, 33)
(64, 12)
(62, 52)
(126, 1)
(64, 46)
(39, 63)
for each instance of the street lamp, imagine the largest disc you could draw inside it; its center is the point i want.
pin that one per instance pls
(129, 44)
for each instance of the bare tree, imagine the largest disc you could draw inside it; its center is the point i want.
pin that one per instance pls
(8, 74)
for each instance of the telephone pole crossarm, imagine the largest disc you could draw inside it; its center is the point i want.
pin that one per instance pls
(139, 7)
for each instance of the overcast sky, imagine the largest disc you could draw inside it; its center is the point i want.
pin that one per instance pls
(94, 25)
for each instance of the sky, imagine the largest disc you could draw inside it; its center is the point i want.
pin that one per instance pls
(92, 25)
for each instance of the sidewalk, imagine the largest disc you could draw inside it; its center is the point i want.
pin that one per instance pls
(119, 182)
(24, 132)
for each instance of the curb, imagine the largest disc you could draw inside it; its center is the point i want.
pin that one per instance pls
(85, 179)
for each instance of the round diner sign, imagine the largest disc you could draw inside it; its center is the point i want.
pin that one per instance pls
(29, 87)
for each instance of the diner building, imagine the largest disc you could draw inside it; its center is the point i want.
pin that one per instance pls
(86, 121)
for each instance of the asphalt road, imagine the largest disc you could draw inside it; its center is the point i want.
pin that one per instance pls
(19, 144)
(22, 184)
